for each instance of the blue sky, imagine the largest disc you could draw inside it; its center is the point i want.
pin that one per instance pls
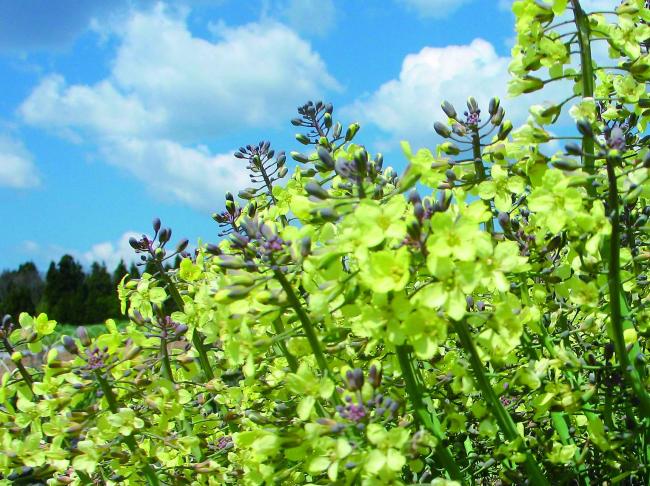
(115, 112)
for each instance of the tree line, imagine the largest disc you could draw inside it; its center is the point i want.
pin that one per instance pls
(67, 292)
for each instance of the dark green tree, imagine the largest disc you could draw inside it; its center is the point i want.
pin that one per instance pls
(63, 295)
(20, 290)
(119, 273)
(134, 271)
(100, 295)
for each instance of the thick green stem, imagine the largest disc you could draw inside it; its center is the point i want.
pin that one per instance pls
(197, 337)
(27, 378)
(587, 70)
(480, 171)
(422, 415)
(503, 418)
(148, 471)
(166, 365)
(291, 359)
(305, 322)
(615, 295)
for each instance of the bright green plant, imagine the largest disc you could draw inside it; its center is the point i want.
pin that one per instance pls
(481, 319)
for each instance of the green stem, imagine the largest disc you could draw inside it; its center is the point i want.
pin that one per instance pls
(27, 378)
(586, 67)
(480, 172)
(291, 359)
(503, 418)
(148, 471)
(166, 365)
(616, 294)
(305, 322)
(422, 415)
(197, 337)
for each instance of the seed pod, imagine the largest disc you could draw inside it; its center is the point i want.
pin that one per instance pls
(449, 110)
(298, 157)
(314, 189)
(494, 105)
(351, 131)
(180, 248)
(566, 164)
(135, 244)
(305, 246)
(379, 162)
(303, 139)
(573, 149)
(374, 377)
(82, 334)
(164, 235)
(70, 345)
(504, 220)
(133, 352)
(504, 130)
(213, 249)
(442, 129)
(326, 157)
(361, 161)
(472, 105)
(328, 214)
(282, 172)
(230, 262)
(497, 118)
(355, 379)
(450, 148)
(584, 127)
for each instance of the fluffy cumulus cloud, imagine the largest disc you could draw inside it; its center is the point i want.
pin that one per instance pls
(434, 8)
(17, 169)
(405, 108)
(169, 91)
(192, 175)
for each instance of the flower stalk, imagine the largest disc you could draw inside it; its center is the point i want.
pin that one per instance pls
(615, 295)
(423, 416)
(503, 418)
(148, 471)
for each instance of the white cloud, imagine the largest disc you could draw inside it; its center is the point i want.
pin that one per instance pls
(169, 91)
(406, 108)
(111, 252)
(17, 169)
(309, 17)
(191, 175)
(434, 8)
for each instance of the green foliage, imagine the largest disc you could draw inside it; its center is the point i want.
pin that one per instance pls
(489, 328)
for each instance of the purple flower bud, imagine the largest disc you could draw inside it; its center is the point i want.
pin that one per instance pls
(82, 334)
(504, 219)
(69, 345)
(449, 110)
(374, 377)
(156, 225)
(355, 379)
(442, 129)
(182, 245)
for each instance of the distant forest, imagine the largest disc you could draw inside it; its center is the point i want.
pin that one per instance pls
(66, 293)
